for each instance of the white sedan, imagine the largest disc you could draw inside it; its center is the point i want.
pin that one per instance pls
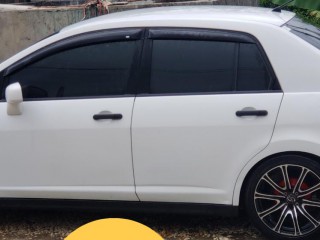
(213, 108)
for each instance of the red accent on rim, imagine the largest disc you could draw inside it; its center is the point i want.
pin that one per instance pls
(293, 183)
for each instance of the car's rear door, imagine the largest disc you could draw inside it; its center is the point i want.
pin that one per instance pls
(208, 103)
(72, 139)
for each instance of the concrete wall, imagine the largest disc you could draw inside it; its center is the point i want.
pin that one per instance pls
(21, 26)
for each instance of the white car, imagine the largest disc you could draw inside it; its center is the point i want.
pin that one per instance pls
(213, 108)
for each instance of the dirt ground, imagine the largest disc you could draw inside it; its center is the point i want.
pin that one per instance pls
(49, 225)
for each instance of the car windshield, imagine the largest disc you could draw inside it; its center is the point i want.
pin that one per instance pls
(306, 31)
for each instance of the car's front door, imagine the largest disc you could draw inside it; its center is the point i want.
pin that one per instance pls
(67, 143)
(209, 104)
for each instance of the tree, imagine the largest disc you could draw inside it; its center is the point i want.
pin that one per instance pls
(306, 4)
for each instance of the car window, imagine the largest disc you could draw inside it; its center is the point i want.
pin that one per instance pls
(186, 66)
(307, 32)
(252, 72)
(94, 70)
(192, 66)
(1, 80)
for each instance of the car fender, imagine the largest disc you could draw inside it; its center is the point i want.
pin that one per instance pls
(288, 146)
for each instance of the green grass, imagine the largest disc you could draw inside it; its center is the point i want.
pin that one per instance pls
(310, 16)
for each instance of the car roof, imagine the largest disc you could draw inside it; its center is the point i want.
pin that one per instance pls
(209, 13)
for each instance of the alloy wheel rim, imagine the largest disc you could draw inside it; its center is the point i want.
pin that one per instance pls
(287, 200)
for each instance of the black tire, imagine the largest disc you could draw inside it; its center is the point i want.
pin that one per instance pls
(282, 210)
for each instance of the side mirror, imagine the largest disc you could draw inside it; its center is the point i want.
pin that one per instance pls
(14, 99)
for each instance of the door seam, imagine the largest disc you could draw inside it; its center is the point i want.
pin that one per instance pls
(273, 130)
(132, 163)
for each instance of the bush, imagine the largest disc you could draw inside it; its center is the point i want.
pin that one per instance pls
(308, 15)
(267, 3)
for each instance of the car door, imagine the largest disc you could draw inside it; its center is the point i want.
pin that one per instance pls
(72, 139)
(208, 103)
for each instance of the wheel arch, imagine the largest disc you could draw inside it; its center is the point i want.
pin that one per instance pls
(240, 200)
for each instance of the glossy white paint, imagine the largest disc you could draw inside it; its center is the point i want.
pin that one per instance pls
(56, 147)
(200, 152)
(297, 130)
(14, 99)
(188, 148)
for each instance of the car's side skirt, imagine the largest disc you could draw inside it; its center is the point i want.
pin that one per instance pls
(120, 206)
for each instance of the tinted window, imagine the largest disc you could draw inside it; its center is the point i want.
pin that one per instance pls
(252, 72)
(192, 66)
(1, 83)
(95, 70)
(184, 66)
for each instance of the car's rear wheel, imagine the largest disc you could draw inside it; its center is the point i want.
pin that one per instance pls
(283, 197)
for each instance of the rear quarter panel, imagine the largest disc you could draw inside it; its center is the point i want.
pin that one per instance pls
(297, 130)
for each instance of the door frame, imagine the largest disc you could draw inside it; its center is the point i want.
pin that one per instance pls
(195, 34)
(84, 39)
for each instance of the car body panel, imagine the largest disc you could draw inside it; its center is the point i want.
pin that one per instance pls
(296, 128)
(189, 148)
(55, 149)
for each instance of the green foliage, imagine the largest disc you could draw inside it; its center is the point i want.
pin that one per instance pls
(310, 16)
(305, 4)
(267, 3)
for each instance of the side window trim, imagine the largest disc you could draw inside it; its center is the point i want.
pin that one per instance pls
(169, 33)
(198, 34)
(115, 35)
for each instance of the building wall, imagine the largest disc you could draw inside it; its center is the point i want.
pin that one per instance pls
(20, 27)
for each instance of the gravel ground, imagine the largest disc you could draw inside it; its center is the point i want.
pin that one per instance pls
(49, 225)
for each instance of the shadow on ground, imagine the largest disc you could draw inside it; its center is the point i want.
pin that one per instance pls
(49, 225)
